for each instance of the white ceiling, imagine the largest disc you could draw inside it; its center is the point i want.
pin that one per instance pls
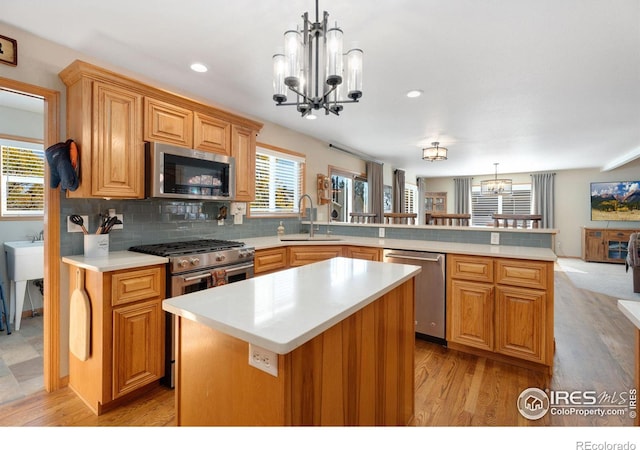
(533, 85)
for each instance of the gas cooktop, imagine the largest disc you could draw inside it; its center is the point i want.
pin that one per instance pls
(186, 247)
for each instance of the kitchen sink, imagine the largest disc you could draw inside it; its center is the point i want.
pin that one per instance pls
(307, 238)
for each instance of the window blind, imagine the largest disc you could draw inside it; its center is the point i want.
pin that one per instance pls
(22, 184)
(279, 178)
(410, 198)
(483, 207)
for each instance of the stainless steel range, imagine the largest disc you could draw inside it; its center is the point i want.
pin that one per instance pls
(195, 266)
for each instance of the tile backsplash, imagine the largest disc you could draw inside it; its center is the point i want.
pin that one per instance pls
(152, 221)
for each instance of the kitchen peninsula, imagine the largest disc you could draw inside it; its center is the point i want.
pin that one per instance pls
(340, 333)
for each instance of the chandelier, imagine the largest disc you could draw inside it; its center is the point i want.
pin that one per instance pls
(434, 153)
(312, 69)
(503, 186)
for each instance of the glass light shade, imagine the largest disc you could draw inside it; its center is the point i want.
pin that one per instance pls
(496, 186)
(354, 73)
(434, 153)
(279, 88)
(333, 58)
(293, 52)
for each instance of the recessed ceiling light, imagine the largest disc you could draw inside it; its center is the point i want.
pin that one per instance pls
(414, 93)
(311, 116)
(198, 67)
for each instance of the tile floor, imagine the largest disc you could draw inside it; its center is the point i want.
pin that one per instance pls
(21, 364)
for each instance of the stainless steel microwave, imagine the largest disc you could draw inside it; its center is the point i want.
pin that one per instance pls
(176, 172)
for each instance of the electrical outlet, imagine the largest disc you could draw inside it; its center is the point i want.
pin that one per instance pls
(73, 228)
(380, 232)
(495, 238)
(263, 359)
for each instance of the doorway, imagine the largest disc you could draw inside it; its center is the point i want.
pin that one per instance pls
(51, 231)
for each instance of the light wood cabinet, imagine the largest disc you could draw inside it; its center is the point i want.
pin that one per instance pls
(306, 254)
(110, 116)
(165, 122)
(270, 260)
(127, 335)
(605, 244)
(212, 134)
(501, 307)
(105, 121)
(368, 253)
(243, 142)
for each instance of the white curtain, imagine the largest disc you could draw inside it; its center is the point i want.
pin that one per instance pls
(376, 187)
(542, 197)
(462, 195)
(398, 191)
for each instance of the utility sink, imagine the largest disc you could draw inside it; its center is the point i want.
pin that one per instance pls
(307, 238)
(25, 261)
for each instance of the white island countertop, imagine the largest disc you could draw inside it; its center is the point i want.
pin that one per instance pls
(283, 310)
(631, 310)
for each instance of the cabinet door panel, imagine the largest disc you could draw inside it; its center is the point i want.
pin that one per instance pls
(270, 260)
(472, 268)
(168, 123)
(130, 286)
(117, 163)
(299, 256)
(520, 322)
(211, 134)
(243, 143)
(531, 274)
(368, 253)
(471, 314)
(138, 339)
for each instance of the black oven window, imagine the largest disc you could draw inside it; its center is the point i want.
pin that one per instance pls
(201, 286)
(194, 176)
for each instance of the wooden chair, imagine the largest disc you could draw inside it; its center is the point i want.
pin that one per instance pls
(363, 217)
(462, 220)
(400, 218)
(517, 220)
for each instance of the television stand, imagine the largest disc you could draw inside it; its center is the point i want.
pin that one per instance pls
(606, 244)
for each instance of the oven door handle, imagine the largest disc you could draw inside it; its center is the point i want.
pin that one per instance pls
(197, 277)
(233, 269)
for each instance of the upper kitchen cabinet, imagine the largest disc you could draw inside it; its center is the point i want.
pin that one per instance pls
(110, 117)
(168, 123)
(244, 151)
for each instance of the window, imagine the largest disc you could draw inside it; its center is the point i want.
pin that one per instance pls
(22, 183)
(482, 207)
(410, 198)
(279, 182)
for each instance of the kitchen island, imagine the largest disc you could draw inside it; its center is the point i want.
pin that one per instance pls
(333, 342)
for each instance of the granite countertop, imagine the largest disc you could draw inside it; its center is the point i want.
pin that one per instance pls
(501, 251)
(283, 310)
(115, 261)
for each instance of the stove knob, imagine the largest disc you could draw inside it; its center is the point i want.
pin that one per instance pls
(220, 257)
(195, 261)
(183, 263)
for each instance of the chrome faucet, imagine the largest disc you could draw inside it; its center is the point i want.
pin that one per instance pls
(310, 211)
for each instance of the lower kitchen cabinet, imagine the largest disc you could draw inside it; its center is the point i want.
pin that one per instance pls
(127, 332)
(306, 254)
(368, 253)
(501, 307)
(270, 260)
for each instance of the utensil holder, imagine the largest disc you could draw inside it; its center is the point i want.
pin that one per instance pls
(96, 245)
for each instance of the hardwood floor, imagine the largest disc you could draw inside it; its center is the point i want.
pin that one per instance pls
(594, 351)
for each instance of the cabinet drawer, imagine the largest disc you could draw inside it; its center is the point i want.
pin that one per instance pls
(268, 260)
(299, 256)
(532, 274)
(132, 286)
(473, 268)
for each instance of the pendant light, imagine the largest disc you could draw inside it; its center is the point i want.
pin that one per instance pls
(497, 186)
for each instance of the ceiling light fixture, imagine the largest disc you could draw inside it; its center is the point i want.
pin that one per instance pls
(311, 68)
(198, 67)
(414, 93)
(434, 153)
(502, 186)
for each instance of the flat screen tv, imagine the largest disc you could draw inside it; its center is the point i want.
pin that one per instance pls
(618, 201)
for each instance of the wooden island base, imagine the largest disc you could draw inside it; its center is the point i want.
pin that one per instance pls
(358, 372)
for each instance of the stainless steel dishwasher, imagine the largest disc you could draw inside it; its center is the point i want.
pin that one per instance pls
(429, 291)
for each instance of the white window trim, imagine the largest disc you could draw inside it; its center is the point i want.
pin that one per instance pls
(24, 213)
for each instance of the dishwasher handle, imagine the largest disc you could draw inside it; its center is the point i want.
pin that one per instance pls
(417, 258)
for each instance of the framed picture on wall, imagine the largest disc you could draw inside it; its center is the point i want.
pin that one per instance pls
(8, 51)
(387, 198)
